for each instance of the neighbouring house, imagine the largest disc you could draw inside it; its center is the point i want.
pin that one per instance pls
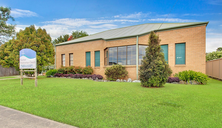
(183, 44)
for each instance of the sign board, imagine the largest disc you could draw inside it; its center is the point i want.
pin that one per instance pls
(27, 59)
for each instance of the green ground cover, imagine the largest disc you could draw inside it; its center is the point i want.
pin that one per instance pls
(85, 103)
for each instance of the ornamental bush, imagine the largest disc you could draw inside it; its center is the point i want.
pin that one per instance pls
(116, 72)
(154, 70)
(51, 72)
(87, 70)
(71, 70)
(78, 70)
(173, 79)
(192, 75)
(61, 70)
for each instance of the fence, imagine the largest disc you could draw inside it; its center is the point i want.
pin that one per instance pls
(214, 68)
(8, 71)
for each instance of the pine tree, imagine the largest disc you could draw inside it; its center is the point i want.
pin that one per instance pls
(154, 70)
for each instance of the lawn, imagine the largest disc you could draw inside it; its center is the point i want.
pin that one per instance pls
(85, 103)
(5, 77)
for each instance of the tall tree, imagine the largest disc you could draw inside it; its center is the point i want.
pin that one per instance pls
(64, 38)
(35, 39)
(154, 70)
(213, 55)
(60, 39)
(219, 49)
(6, 30)
(79, 34)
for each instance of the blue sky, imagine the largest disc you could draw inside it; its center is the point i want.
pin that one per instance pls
(61, 17)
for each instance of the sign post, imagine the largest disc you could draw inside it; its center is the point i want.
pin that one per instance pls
(28, 61)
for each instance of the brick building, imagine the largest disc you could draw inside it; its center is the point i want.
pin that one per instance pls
(184, 46)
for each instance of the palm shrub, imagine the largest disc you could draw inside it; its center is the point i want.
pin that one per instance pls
(154, 70)
(116, 72)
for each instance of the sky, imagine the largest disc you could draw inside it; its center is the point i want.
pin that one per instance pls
(60, 17)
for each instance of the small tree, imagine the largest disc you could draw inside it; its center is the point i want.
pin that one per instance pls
(154, 70)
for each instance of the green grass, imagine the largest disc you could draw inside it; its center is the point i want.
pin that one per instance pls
(5, 77)
(85, 103)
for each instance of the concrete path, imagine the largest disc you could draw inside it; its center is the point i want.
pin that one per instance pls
(10, 118)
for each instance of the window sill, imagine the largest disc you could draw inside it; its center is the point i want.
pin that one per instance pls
(180, 65)
(127, 66)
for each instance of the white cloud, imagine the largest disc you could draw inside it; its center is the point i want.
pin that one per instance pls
(22, 13)
(110, 26)
(66, 25)
(132, 16)
(213, 43)
(171, 20)
(83, 22)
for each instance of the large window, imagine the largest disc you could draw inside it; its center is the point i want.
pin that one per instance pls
(97, 58)
(125, 55)
(131, 55)
(142, 52)
(88, 60)
(122, 55)
(165, 51)
(63, 60)
(180, 53)
(112, 55)
(70, 59)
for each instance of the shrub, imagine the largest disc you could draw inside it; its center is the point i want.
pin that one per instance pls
(66, 75)
(61, 70)
(201, 78)
(87, 70)
(51, 72)
(192, 75)
(173, 79)
(58, 75)
(29, 74)
(116, 72)
(70, 70)
(78, 76)
(78, 70)
(97, 76)
(154, 70)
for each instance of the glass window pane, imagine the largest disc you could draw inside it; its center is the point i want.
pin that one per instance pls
(142, 52)
(63, 60)
(88, 60)
(70, 59)
(131, 55)
(165, 51)
(112, 55)
(122, 55)
(97, 58)
(180, 53)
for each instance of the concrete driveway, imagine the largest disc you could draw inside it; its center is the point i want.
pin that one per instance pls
(11, 118)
